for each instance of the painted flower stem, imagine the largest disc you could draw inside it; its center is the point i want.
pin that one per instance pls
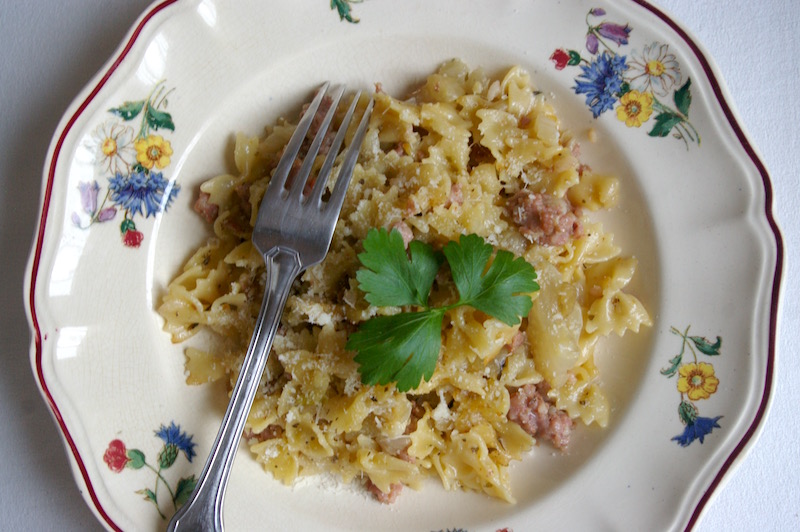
(685, 336)
(161, 480)
(100, 208)
(601, 40)
(160, 98)
(684, 128)
(693, 135)
(155, 489)
(658, 106)
(144, 129)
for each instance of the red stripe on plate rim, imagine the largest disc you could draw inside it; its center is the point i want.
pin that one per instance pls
(154, 10)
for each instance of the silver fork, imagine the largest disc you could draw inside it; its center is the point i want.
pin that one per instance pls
(293, 231)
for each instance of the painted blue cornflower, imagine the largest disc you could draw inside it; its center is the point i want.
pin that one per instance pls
(601, 82)
(697, 430)
(173, 436)
(142, 193)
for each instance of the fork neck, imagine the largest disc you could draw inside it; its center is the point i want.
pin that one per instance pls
(283, 265)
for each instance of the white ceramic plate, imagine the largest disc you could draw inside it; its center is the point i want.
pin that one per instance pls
(696, 211)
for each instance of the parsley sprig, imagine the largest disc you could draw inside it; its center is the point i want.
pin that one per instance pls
(404, 348)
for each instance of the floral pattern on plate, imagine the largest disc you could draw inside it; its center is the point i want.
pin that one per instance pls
(696, 381)
(635, 86)
(132, 160)
(119, 457)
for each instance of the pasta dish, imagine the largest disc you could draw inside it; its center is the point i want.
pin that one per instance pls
(464, 154)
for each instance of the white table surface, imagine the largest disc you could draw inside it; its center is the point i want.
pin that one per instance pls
(50, 49)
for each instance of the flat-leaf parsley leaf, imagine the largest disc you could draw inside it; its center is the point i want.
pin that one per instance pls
(502, 292)
(404, 348)
(391, 280)
(401, 348)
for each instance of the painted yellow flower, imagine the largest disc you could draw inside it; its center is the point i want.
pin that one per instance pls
(635, 108)
(152, 151)
(697, 380)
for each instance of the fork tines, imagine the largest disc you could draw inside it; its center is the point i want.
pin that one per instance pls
(293, 180)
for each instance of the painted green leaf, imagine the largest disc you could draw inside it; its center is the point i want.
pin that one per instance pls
(664, 124)
(136, 459)
(683, 98)
(674, 363)
(127, 225)
(149, 495)
(687, 412)
(343, 7)
(128, 110)
(184, 489)
(158, 119)
(706, 347)
(574, 58)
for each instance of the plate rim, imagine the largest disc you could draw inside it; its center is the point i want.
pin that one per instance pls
(722, 96)
(92, 88)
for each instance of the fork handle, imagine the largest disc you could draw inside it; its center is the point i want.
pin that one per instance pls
(203, 510)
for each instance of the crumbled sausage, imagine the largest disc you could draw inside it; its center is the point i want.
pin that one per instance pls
(209, 211)
(545, 219)
(385, 498)
(316, 124)
(269, 433)
(405, 232)
(456, 197)
(417, 411)
(536, 413)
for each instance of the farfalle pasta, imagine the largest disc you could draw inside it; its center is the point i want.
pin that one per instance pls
(465, 153)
